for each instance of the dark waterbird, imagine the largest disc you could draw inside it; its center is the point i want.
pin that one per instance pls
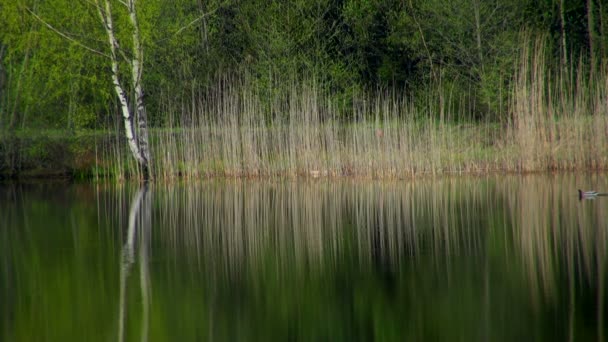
(589, 194)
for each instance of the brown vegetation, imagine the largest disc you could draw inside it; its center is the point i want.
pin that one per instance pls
(557, 121)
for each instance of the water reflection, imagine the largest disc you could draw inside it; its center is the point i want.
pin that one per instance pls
(563, 247)
(497, 258)
(139, 226)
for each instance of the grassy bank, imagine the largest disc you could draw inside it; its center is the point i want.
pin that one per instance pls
(552, 121)
(389, 147)
(39, 153)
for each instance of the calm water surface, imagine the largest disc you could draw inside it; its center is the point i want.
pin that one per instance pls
(458, 259)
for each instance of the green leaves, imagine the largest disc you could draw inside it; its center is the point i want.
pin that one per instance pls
(345, 45)
(53, 80)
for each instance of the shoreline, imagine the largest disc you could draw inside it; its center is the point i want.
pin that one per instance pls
(346, 152)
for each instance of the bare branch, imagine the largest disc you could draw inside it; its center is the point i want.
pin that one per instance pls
(65, 35)
(203, 16)
(195, 21)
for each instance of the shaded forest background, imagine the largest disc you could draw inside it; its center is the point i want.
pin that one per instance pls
(465, 48)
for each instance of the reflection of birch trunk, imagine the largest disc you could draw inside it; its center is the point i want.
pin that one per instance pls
(600, 301)
(139, 221)
(144, 271)
(601, 276)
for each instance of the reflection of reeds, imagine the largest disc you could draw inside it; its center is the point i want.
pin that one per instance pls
(532, 221)
(556, 236)
(531, 226)
(318, 222)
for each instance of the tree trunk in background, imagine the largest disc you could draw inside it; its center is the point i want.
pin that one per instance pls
(562, 23)
(15, 98)
(136, 138)
(2, 71)
(592, 32)
(602, 34)
(204, 31)
(476, 5)
(3, 85)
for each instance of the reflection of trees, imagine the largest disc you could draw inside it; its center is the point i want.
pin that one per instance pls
(139, 227)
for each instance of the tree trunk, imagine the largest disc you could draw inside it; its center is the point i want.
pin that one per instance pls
(136, 72)
(137, 139)
(592, 35)
(562, 23)
(204, 31)
(602, 32)
(23, 73)
(476, 5)
(2, 72)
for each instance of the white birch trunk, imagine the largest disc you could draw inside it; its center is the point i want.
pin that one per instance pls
(136, 72)
(137, 139)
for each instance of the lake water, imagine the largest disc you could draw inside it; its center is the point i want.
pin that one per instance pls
(513, 258)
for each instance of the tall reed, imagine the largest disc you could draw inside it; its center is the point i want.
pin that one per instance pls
(555, 120)
(559, 119)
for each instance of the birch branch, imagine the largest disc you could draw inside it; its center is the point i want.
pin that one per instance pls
(205, 15)
(195, 21)
(65, 35)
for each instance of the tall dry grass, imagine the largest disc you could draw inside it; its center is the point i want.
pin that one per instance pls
(385, 137)
(554, 121)
(559, 119)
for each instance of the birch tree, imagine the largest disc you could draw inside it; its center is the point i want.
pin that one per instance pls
(132, 106)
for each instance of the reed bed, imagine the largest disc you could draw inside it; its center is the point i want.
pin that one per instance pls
(553, 121)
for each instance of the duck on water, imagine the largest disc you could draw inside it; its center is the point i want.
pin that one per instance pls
(589, 194)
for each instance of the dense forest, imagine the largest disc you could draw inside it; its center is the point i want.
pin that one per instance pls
(53, 73)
